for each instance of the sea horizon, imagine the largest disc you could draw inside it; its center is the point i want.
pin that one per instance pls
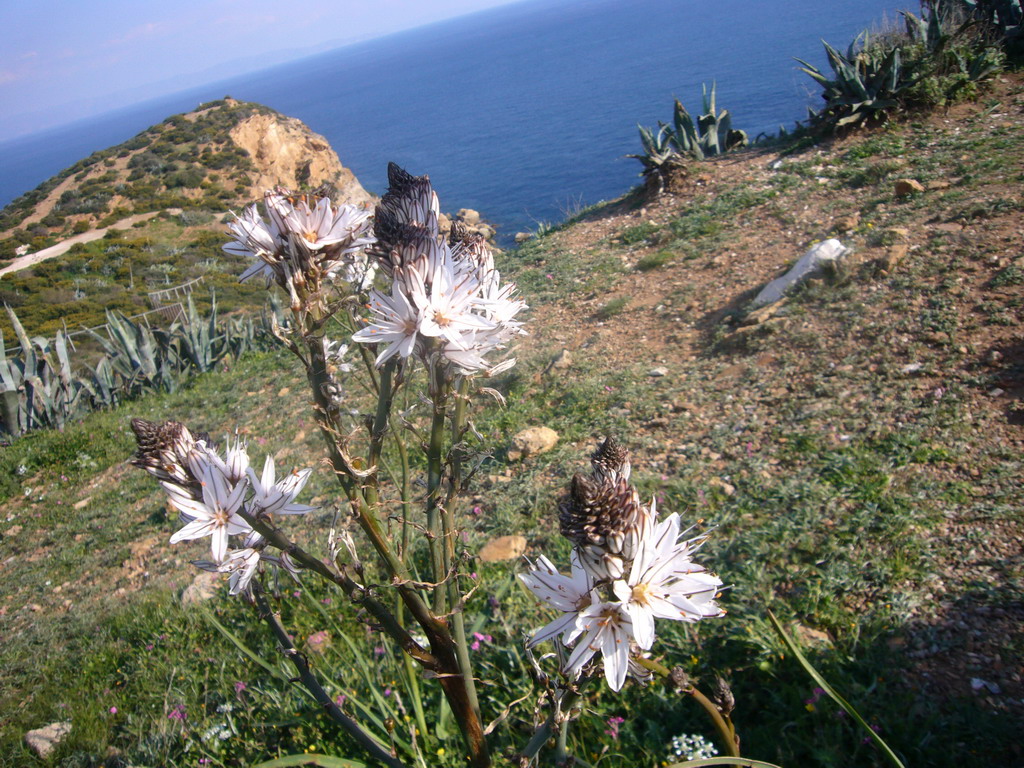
(523, 112)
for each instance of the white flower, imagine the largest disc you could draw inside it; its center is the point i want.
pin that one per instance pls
(274, 497)
(446, 307)
(215, 516)
(302, 242)
(568, 594)
(255, 238)
(396, 323)
(233, 465)
(605, 627)
(242, 565)
(665, 583)
(334, 355)
(325, 224)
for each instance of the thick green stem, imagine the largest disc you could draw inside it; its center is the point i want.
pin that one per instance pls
(451, 532)
(436, 536)
(540, 737)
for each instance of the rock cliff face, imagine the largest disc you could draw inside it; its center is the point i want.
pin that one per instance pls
(287, 153)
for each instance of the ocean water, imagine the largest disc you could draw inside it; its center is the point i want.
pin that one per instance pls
(523, 112)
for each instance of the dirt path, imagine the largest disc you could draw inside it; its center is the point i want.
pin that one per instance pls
(31, 259)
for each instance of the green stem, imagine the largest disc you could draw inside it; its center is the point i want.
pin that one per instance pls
(450, 533)
(403, 456)
(436, 537)
(385, 398)
(726, 732)
(561, 747)
(309, 680)
(540, 737)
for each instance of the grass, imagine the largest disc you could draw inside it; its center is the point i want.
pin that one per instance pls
(844, 494)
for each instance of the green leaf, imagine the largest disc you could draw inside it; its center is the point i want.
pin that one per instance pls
(252, 655)
(323, 761)
(833, 694)
(741, 762)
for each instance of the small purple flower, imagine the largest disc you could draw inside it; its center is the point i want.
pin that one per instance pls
(478, 639)
(493, 602)
(113, 710)
(379, 650)
(178, 713)
(340, 700)
(239, 687)
(476, 511)
(387, 691)
(613, 724)
(815, 695)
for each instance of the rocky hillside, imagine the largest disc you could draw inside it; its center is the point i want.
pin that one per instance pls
(116, 228)
(221, 155)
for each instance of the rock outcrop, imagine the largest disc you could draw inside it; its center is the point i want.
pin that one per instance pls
(287, 153)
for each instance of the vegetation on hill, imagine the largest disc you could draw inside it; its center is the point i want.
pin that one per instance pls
(188, 161)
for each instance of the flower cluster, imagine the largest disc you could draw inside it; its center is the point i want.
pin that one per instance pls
(692, 747)
(209, 490)
(627, 569)
(446, 300)
(304, 240)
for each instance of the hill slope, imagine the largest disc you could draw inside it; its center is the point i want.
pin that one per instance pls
(188, 170)
(858, 449)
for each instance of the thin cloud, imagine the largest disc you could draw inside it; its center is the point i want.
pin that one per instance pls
(143, 30)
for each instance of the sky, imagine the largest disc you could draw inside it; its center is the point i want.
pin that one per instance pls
(63, 60)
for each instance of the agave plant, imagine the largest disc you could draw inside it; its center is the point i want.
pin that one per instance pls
(1006, 17)
(711, 135)
(865, 85)
(659, 158)
(667, 150)
(38, 388)
(141, 357)
(198, 342)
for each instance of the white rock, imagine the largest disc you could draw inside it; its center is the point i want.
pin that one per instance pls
(532, 441)
(829, 251)
(43, 740)
(204, 586)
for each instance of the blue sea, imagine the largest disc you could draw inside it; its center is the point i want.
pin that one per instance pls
(523, 112)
